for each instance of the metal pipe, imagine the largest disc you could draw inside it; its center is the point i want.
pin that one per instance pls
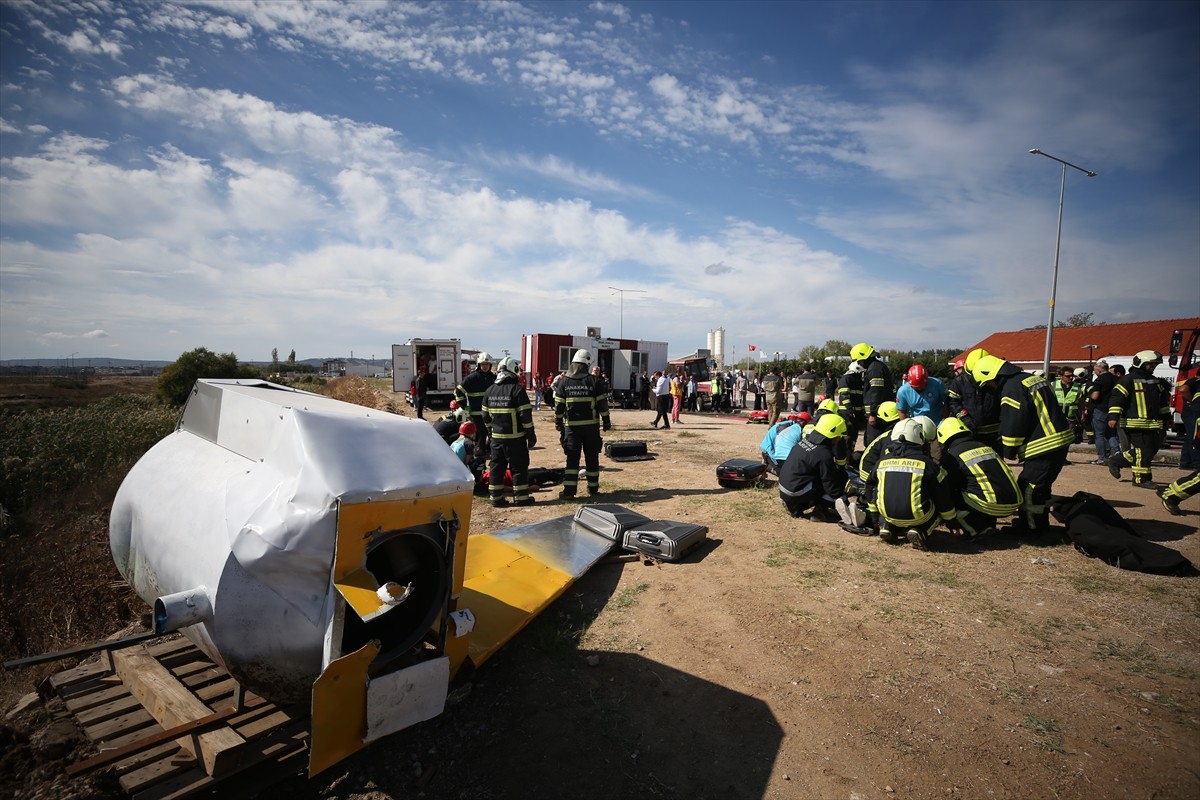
(181, 609)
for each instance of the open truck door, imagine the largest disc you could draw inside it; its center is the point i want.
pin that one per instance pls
(402, 367)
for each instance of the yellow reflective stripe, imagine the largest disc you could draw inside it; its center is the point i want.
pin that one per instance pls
(1009, 401)
(1048, 443)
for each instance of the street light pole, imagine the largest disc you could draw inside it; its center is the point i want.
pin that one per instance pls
(621, 332)
(1091, 348)
(1062, 191)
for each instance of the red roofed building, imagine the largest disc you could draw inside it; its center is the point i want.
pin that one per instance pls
(1115, 343)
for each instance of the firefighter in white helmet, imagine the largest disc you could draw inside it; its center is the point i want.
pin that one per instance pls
(469, 395)
(1139, 404)
(580, 409)
(509, 416)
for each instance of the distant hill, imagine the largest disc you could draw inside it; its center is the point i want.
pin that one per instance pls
(78, 363)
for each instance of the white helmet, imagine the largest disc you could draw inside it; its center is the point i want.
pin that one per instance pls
(856, 367)
(1080, 372)
(1147, 359)
(909, 430)
(582, 357)
(483, 358)
(928, 428)
(509, 364)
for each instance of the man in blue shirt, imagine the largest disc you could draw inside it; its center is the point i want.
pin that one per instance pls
(921, 395)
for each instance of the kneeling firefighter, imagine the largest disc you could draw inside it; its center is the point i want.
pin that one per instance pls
(509, 417)
(580, 408)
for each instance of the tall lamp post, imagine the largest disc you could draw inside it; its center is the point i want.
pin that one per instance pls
(1062, 191)
(621, 332)
(1091, 348)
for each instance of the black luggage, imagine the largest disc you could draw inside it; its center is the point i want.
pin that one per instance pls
(663, 539)
(609, 520)
(627, 451)
(1099, 531)
(738, 472)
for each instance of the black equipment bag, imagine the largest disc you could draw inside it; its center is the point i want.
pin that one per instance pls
(738, 472)
(662, 539)
(1099, 531)
(543, 476)
(609, 520)
(627, 451)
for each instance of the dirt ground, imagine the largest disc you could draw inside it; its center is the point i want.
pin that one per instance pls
(789, 659)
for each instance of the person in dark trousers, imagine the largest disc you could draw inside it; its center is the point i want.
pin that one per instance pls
(509, 415)
(985, 489)
(1033, 430)
(662, 400)
(869, 460)
(910, 488)
(1139, 405)
(580, 410)
(878, 387)
(469, 395)
(809, 477)
(419, 390)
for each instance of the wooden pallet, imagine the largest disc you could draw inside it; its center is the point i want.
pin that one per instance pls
(170, 723)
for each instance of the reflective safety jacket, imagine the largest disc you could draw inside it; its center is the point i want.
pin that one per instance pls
(910, 488)
(850, 394)
(1139, 400)
(1068, 398)
(977, 473)
(580, 401)
(868, 462)
(841, 448)
(1031, 422)
(810, 467)
(877, 385)
(507, 411)
(470, 392)
(978, 407)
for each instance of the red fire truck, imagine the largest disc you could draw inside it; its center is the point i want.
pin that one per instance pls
(1184, 356)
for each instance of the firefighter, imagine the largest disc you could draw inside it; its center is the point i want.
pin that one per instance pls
(469, 395)
(888, 417)
(1033, 430)
(580, 409)
(509, 416)
(841, 449)
(985, 487)
(1139, 405)
(975, 406)
(878, 387)
(809, 478)
(911, 490)
(1182, 489)
(850, 402)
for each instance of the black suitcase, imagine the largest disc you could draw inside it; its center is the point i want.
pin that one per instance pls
(665, 540)
(609, 520)
(627, 451)
(738, 472)
(545, 476)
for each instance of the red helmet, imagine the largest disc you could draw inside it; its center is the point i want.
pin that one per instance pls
(805, 417)
(467, 428)
(960, 364)
(453, 404)
(918, 376)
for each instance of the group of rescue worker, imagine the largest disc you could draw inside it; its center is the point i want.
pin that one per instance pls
(931, 452)
(496, 411)
(934, 453)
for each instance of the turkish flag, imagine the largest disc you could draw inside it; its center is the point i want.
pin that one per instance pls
(753, 348)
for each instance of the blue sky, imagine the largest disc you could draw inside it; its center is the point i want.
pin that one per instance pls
(334, 178)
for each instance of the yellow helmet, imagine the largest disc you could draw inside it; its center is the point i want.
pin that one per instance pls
(831, 426)
(973, 358)
(949, 428)
(887, 411)
(827, 405)
(861, 351)
(987, 368)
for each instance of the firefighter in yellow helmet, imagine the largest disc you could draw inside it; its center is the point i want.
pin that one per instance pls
(985, 488)
(878, 387)
(976, 406)
(889, 415)
(580, 409)
(1139, 404)
(809, 478)
(1033, 430)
